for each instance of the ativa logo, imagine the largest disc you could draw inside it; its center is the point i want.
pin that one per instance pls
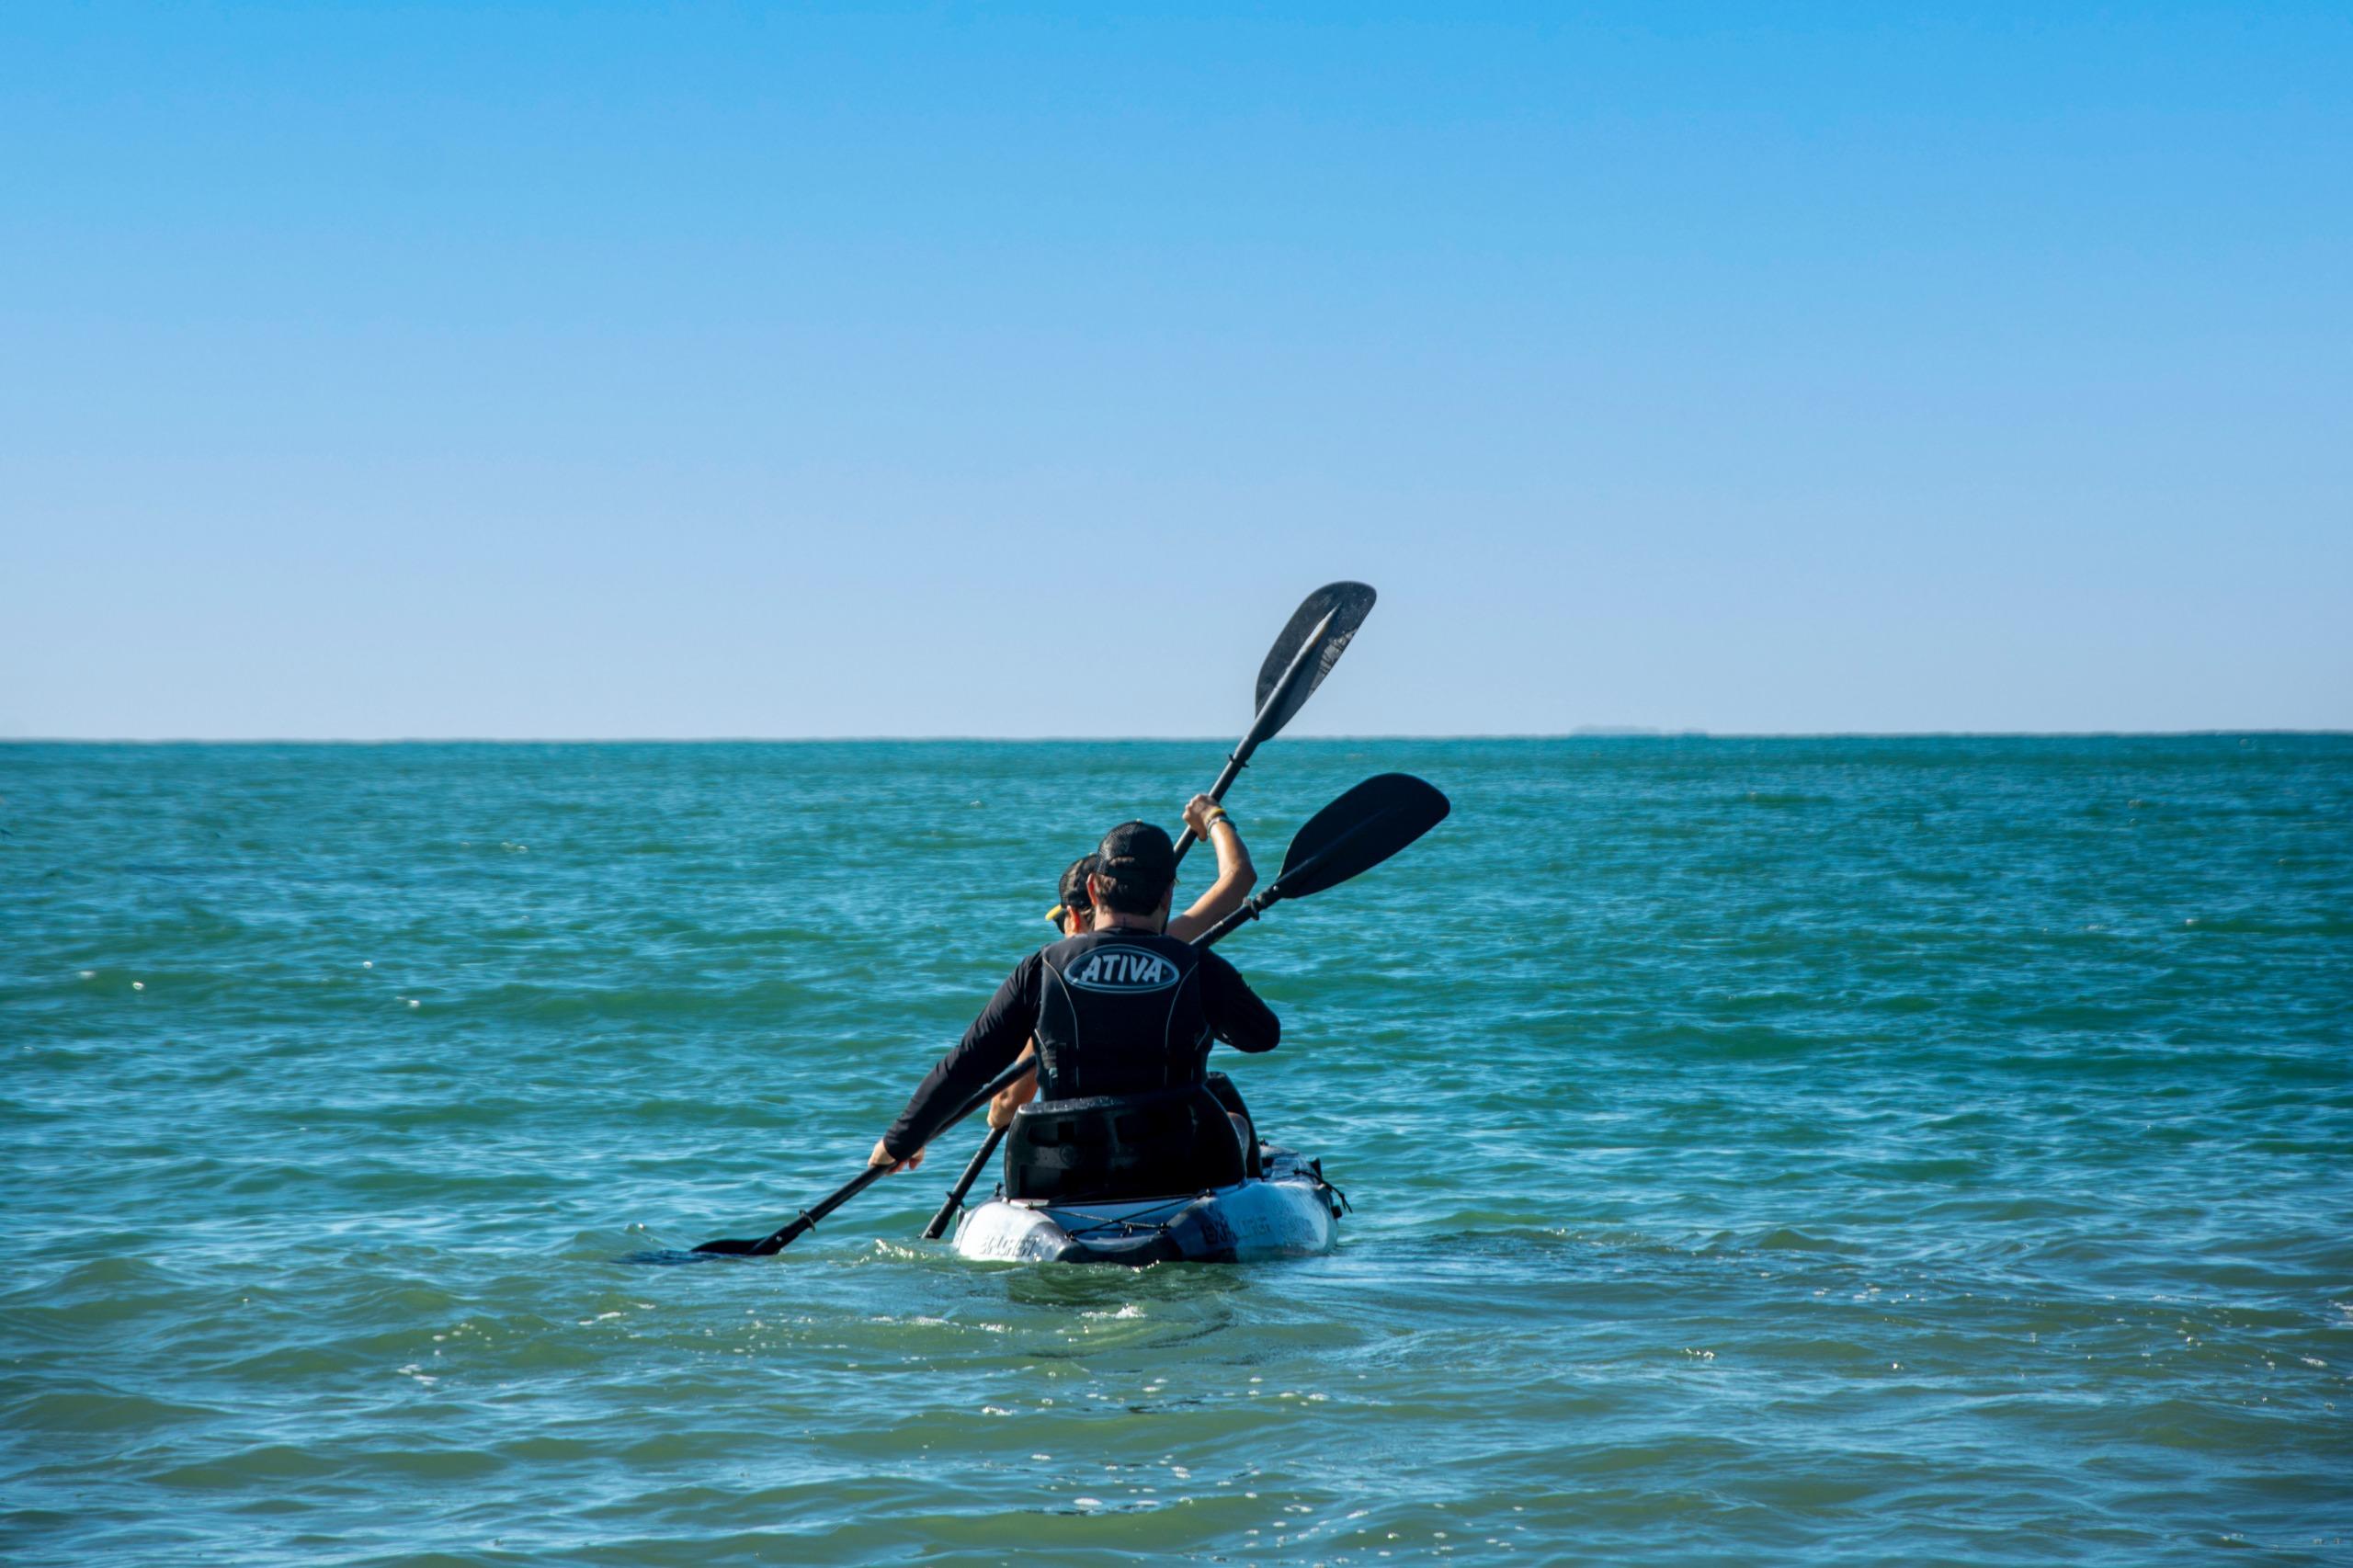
(1122, 969)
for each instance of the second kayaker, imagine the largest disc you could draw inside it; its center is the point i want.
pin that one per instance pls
(1120, 1009)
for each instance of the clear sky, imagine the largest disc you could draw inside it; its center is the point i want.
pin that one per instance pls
(704, 370)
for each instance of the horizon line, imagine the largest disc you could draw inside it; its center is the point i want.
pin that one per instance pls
(1586, 733)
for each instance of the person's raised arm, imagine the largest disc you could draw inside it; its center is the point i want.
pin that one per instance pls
(1236, 875)
(986, 1050)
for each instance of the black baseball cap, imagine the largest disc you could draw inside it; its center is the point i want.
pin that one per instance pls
(1137, 852)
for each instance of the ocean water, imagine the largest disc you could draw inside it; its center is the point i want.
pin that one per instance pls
(1838, 1151)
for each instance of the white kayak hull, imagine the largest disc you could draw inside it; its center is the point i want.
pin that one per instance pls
(1290, 1211)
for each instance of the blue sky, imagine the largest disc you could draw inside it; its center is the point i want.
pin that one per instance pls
(578, 370)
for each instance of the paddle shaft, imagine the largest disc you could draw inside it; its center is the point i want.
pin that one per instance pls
(800, 1224)
(1301, 664)
(938, 1226)
(1242, 916)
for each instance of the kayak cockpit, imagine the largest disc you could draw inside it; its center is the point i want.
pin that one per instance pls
(1173, 1175)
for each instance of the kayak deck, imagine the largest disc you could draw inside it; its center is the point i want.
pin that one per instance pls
(1289, 1211)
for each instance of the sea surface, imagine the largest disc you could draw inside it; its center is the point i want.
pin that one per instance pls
(1773, 1151)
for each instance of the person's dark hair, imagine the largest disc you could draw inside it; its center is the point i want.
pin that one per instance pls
(1072, 888)
(1134, 868)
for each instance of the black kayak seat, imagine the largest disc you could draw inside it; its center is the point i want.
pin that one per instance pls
(1106, 1148)
(1221, 1088)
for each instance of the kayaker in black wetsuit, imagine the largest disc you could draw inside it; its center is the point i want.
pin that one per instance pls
(1117, 1010)
(1074, 915)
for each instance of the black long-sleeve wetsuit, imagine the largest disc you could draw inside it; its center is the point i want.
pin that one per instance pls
(1114, 1013)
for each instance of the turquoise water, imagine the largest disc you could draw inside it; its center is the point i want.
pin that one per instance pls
(1822, 1151)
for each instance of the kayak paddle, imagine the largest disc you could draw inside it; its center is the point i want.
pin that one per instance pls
(1311, 644)
(1351, 836)
(980, 1162)
(806, 1221)
(1347, 838)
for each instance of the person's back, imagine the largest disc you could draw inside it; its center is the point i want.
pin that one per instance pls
(1120, 1009)
(1123, 1011)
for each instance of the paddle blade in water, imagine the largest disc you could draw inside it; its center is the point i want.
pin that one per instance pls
(1348, 604)
(671, 1258)
(1358, 831)
(726, 1247)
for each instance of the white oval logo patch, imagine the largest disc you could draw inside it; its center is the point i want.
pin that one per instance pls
(1122, 969)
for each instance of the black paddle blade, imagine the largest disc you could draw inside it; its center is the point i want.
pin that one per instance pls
(1357, 831)
(1348, 604)
(729, 1247)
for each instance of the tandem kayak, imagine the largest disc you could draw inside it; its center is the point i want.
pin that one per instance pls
(1289, 1212)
